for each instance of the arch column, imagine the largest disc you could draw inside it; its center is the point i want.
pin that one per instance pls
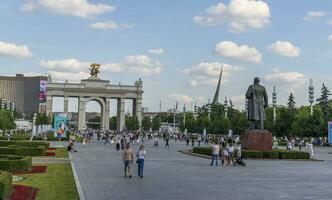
(107, 113)
(65, 104)
(120, 114)
(81, 113)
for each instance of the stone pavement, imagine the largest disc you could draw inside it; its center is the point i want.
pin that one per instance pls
(169, 174)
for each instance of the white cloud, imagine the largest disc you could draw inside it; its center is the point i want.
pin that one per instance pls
(157, 51)
(20, 51)
(74, 65)
(204, 21)
(58, 76)
(139, 64)
(207, 73)
(231, 50)
(330, 38)
(143, 65)
(109, 25)
(312, 15)
(284, 49)
(29, 6)
(182, 98)
(329, 22)
(240, 15)
(78, 8)
(289, 79)
(238, 101)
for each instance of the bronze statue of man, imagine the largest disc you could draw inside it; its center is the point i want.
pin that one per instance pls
(257, 102)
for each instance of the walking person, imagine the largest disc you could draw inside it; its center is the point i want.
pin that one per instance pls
(128, 158)
(167, 140)
(187, 140)
(215, 153)
(140, 160)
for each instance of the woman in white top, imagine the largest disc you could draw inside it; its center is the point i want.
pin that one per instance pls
(140, 160)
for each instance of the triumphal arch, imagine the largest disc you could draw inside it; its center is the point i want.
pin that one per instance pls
(101, 91)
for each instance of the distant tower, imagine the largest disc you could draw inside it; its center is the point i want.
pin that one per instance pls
(216, 95)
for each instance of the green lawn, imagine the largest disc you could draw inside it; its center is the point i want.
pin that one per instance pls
(61, 153)
(57, 183)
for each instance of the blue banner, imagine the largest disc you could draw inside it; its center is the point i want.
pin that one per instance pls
(60, 125)
(330, 132)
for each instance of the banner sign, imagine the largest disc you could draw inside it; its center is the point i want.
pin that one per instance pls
(60, 125)
(330, 132)
(42, 91)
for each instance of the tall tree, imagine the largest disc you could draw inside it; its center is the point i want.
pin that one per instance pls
(291, 101)
(113, 122)
(156, 123)
(146, 123)
(132, 123)
(324, 101)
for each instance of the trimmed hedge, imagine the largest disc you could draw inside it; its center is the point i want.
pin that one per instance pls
(271, 154)
(203, 150)
(23, 151)
(24, 143)
(287, 154)
(274, 154)
(5, 185)
(13, 163)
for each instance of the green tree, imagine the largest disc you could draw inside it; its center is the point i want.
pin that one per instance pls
(156, 123)
(238, 122)
(113, 122)
(291, 101)
(132, 123)
(42, 118)
(94, 123)
(324, 101)
(146, 123)
(6, 120)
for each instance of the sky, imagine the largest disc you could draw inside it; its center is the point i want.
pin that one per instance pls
(176, 47)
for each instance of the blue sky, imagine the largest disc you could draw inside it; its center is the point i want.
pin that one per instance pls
(283, 42)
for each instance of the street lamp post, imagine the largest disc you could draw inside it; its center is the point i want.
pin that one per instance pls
(226, 106)
(209, 109)
(311, 97)
(274, 103)
(184, 116)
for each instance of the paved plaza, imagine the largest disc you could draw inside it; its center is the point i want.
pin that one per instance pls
(169, 174)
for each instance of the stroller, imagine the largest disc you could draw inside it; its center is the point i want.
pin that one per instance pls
(239, 161)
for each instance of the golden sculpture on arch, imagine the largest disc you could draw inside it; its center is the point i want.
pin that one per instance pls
(94, 70)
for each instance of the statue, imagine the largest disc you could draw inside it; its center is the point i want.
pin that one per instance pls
(257, 102)
(94, 70)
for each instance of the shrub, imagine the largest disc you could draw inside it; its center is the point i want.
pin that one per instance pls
(13, 163)
(5, 184)
(203, 150)
(290, 154)
(25, 143)
(271, 154)
(252, 154)
(23, 151)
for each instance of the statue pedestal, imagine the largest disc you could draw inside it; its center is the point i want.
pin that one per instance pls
(260, 140)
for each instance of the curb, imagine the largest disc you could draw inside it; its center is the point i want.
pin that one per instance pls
(77, 180)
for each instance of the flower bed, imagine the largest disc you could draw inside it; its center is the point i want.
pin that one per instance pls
(21, 192)
(50, 154)
(12, 163)
(34, 170)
